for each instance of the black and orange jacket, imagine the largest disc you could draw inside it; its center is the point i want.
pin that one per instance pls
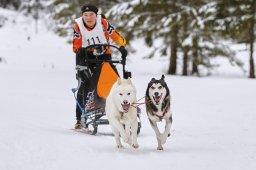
(109, 32)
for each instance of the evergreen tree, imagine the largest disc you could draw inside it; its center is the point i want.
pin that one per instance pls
(151, 20)
(34, 8)
(181, 24)
(199, 36)
(237, 21)
(10, 4)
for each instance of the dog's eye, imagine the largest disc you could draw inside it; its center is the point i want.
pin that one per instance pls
(128, 94)
(160, 87)
(153, 88)
(120, 94)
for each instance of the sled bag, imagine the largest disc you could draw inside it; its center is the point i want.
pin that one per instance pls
(108, 76)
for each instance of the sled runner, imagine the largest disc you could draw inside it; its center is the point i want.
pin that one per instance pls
(99, 82)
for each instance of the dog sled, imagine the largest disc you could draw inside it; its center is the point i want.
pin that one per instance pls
(100, 82)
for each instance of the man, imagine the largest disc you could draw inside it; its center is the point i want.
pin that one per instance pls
(92, 29)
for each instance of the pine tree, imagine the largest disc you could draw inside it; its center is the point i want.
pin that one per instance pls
(181, 24)
(199, 35)
(15, 4)
(151, 20)
(35, 9)
(237, 20)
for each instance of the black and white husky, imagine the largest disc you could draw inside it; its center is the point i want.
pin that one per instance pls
(158, 102)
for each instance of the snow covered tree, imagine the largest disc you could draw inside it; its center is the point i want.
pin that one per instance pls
(151, 20)
(34, 8)
(15, 4)
(181, 25)
(198, 35)
(237, 19)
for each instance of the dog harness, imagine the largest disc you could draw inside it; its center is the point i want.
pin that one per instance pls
(149, 101)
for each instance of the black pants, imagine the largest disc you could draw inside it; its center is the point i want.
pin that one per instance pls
(86, 87)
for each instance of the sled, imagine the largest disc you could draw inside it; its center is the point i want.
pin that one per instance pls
(100, 82)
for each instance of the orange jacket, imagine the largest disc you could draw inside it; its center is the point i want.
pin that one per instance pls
(109, 32)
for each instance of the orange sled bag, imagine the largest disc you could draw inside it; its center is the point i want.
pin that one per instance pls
(108, 76)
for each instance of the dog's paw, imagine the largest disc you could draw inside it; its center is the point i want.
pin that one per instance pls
(120, 146)
(160, 148)
(135, 145)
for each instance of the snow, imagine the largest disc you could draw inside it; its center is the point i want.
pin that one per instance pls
(213, 117)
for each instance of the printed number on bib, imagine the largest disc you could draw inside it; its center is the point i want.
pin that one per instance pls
(92, 41)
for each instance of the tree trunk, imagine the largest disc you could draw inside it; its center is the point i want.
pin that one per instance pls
(174, 42)
(195, 61)
(186, 47)
(185, 61)
(4, 3)
(174, 46)
(251, 69)
(252, 36)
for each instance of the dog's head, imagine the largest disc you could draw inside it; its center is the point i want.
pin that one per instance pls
(157, 90)
(125, 94)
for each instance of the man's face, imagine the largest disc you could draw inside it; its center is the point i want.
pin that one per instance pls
(89, 18)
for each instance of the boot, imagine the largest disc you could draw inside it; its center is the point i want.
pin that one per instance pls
(78, 125)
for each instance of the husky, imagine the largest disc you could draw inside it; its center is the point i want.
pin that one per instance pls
(158, 102)
(121, 114)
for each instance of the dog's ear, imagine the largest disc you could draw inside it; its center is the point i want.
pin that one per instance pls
(162, 78)
(119, 82)
(153, 79)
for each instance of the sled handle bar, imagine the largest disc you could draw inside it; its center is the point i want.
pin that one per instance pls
(101, 61)
(122, 61)
(102, 45)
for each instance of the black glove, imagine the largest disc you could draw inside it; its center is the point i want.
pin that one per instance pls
(123, 51)
(81, 57)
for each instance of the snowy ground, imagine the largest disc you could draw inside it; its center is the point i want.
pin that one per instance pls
(213, 118)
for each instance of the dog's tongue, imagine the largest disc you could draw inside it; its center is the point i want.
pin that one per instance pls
(157, 98)
(126, 107)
